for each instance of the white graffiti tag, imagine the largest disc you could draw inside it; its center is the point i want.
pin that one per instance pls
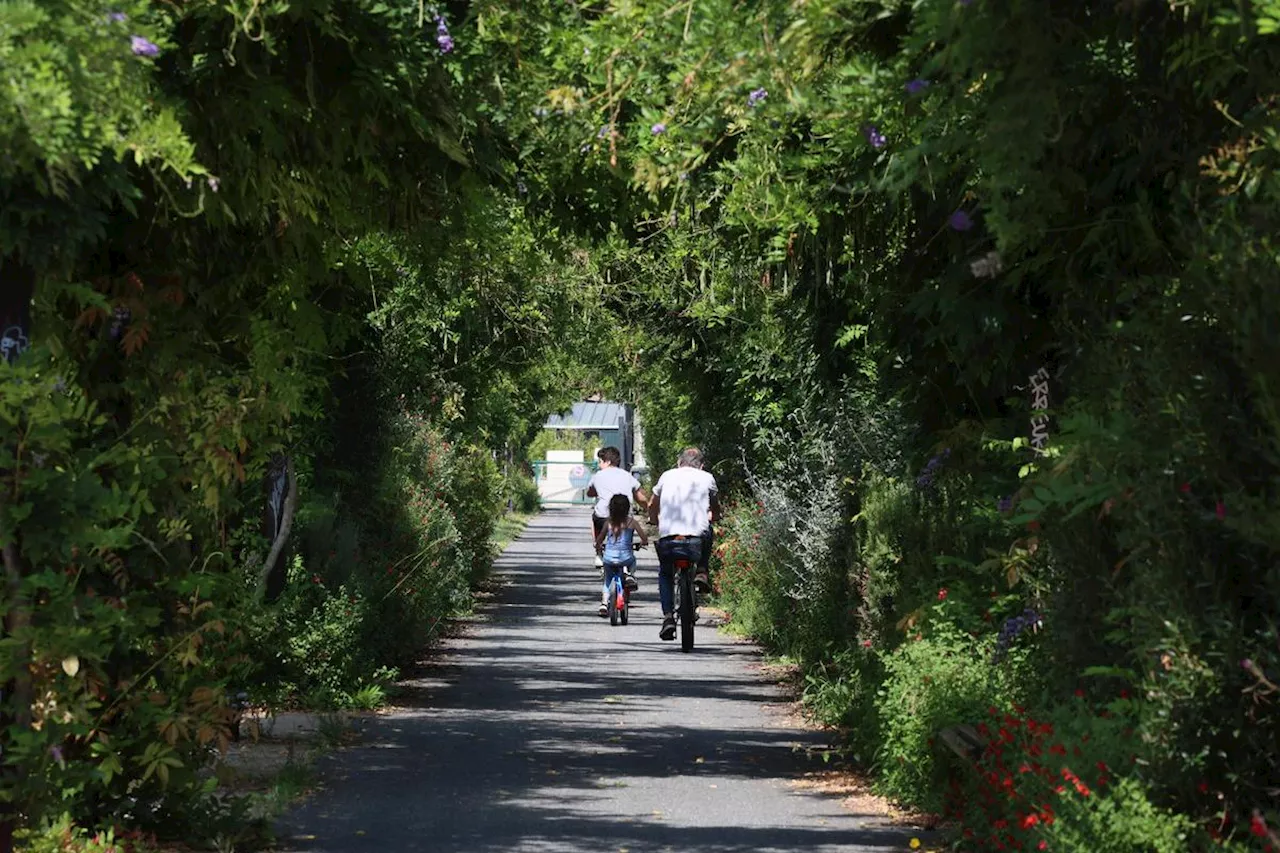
(1040, 404)
(13, 344)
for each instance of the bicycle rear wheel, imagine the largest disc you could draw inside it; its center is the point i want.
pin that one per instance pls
(687, 609)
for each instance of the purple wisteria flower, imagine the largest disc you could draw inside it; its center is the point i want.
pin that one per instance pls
(917, 86)
(925, 480)
(658, 128)
(142, 47)
(960, 221)
(55, 752)
(1029, 620)
(874, 136)
(756, 97)
(443, 39)
(604, 131)
(1005, 504)
(117, 17)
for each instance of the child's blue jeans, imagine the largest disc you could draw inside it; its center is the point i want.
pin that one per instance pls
(610, 569)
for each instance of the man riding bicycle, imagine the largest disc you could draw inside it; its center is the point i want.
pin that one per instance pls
(685, 504)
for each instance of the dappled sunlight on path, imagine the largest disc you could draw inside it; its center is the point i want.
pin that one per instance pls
(544, 729)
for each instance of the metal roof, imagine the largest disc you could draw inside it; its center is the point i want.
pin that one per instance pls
(589, 416)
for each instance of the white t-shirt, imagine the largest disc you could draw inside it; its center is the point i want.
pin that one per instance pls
(610, 482)
(685, 498)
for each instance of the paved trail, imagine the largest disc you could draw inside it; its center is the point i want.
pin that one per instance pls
(547, 730)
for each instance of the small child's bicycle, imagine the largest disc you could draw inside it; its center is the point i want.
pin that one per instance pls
(619, 603)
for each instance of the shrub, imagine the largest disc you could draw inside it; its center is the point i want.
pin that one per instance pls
(521, 492)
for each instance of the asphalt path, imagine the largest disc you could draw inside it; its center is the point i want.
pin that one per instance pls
(544, 729)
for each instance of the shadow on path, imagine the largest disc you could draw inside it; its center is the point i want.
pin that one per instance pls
(544, 729)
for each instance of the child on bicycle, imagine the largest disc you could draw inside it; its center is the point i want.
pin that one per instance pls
(614, 543)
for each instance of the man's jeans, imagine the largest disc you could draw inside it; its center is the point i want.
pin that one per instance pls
(669, 549)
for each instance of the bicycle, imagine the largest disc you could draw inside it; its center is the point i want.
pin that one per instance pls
(619, 603)
(685, 594)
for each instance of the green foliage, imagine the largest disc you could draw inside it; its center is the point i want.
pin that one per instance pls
(521, 492)
(795, 245)
(563, 439)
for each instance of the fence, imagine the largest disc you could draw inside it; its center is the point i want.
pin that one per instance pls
(564, 483)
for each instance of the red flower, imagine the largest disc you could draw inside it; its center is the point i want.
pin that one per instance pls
(1203, 787)
(1030, 820)
(1043, 845)
(1185, 488)
(942, 594)
(1220, 511)
(1258, 826)
(866, 644)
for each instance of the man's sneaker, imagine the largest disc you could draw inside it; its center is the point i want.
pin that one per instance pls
(629, 581)
(701, 582)
(668, 631)
(604, 610)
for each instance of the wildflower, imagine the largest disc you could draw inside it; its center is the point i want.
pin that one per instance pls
(1247, 663)
(213, 183)
(1220, 511)
(914, 844)
(1203, 787)
(866, 644)
(1030, 820)
(1185, 488)
(1005, 504)
(874, 136)
(603, 132)
(1043, 845)
(917, 86)
(1258, 826)
(117, 17)
(756, 97)
(942, 594)
(658, 129)
(142, 47)
(443, 40)
(55, 752)
(960, 221)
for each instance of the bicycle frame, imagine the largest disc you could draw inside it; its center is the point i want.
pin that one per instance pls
(618, 593)
(686, 600)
